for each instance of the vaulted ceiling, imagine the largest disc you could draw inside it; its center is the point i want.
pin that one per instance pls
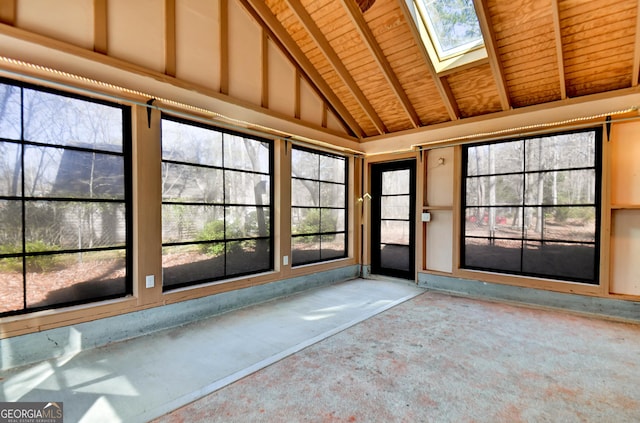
(373, 71)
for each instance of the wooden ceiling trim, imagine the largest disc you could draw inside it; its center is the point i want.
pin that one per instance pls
(324, 45)
(170, 37)
(490, 45)
(99, 25)
(261, 12)
(443, 90)
(371, 43)
(558, 42)
(635, 71)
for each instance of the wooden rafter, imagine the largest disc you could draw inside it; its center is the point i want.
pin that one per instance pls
(100, 26)
(264, 48)
(224, 46)
(261, 12)
(490, 45)
(559, 54)
(170, 37)
(636, 51)
(8, 12)
(441, 85)
(370, 41)
(336, 63)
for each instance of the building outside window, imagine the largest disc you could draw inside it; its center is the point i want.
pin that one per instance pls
(318, 206)
(532, 206)
(64, 199)
(216, 204)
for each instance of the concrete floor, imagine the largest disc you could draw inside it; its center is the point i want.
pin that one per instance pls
(441, 358)
(144, 378)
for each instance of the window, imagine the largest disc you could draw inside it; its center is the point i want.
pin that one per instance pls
(216, 204)
(64, 199)
(318, 206)
(532, 206)
(450, 31)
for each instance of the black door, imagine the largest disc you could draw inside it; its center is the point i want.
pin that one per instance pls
(393, 219)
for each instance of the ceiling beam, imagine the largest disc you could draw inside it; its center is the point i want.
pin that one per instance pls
(559, 54)
(441, 85)
(636, 51)
(223, 10)
(264, 49)
(334, 60)
(8, 11)
(170, 37)
(372, 44)
(100, 26)
(262, 14)
(482, 11)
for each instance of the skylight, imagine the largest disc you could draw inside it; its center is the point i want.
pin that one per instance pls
(450, 30)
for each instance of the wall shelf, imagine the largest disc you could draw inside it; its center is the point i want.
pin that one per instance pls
(625, 206)
(436, 208)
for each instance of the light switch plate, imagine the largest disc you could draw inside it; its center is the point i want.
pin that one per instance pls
(150, 281)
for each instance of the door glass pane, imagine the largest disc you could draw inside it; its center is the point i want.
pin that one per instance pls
(395, 257)
(395, 207)
(396, 182)
(394, 232)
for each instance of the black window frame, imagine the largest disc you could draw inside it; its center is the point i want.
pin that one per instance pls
(224, 205)
(320, 234)
(597, 204)
(127, 199)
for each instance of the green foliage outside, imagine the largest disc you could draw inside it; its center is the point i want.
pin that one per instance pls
(36, 263)
(313, 224)
(214, 231)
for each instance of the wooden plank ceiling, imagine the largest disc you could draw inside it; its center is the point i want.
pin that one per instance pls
(375, 74)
